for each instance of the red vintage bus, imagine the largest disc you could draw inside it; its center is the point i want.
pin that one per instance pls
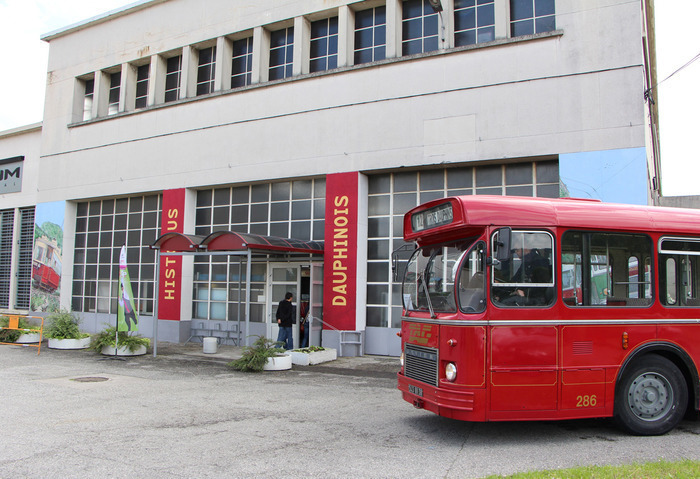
(491, 332)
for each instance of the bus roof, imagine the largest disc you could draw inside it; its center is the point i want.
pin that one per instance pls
(485, 210)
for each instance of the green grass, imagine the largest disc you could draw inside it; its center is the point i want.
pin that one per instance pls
(650, 470)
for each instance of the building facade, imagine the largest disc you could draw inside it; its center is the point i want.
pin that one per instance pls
(319, 120)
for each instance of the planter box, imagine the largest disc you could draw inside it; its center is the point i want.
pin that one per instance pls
(278, 363)
(26, 338)
(82, 343)
(123, 351)
(316, 357)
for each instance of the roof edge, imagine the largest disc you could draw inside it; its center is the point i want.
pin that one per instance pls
(21, 130)
(104, 17)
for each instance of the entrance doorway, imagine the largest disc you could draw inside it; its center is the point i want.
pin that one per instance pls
(302, 280)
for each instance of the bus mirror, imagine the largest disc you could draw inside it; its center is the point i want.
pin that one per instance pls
(502, 244)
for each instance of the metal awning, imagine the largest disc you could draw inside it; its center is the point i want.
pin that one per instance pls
(224, 241)
(227, 243)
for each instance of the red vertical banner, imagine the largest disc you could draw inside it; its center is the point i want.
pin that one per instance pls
(170, 274)
(340, 251)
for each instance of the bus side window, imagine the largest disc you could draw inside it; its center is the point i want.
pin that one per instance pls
(614, 269)
(668, 288)
(527, 278)
(679, 272)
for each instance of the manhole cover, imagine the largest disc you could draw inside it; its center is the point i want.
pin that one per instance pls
(90, 380)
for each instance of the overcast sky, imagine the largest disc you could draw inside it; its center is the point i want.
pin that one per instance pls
(24, 59)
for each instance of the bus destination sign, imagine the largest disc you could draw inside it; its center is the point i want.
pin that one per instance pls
(432, 218)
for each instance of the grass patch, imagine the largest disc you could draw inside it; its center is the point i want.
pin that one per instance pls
(649, 470)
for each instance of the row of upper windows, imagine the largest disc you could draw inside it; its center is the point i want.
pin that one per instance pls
(227, 63)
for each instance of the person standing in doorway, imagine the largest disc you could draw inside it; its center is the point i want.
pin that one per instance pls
(285, 319)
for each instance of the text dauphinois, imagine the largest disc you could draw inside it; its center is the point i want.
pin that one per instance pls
(340, 250)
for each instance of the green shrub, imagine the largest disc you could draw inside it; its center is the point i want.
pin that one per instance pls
(12, 335)
(255, 356)
(310, 349)
(107, 338)
(64, 325)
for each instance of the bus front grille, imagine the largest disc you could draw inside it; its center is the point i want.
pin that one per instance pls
(421, 364)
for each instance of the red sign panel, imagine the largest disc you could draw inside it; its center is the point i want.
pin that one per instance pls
(340, 251)
(170, 274)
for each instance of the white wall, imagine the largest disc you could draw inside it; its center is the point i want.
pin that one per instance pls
(578, 91)
(23, 141)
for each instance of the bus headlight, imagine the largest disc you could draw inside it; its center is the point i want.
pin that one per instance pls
(451, 372)
(402, 358)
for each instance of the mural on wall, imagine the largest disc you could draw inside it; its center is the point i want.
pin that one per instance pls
(613, 176)
(47, 258)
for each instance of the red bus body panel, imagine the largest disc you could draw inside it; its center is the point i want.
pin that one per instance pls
(559, 362)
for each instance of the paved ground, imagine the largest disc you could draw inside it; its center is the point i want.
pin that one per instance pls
(185, 414)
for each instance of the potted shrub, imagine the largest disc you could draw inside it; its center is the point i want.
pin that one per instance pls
(17, 336)
(313, 355)
(105, 342)
(64, 332)
(263, 355)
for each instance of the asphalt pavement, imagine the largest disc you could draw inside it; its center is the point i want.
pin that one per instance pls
(186, 414)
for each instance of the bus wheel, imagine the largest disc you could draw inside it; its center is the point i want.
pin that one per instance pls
(652, 397)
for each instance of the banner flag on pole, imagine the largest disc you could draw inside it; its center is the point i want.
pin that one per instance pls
(126, 313)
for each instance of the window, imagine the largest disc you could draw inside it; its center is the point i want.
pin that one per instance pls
(173, 76)
(531, 16)
(206, 71)
(606, 269)
(142, 74)
(472, 282)
(115, 80)
(101, 228)
(24, 267)
(7, 220)
(392, 195)
(242, 62)
(420, 27)
(370, 35)
(679, 272)
(324, 44)
(22, 240)
(88, 98)
(430, 279)
(527, 278)
(286, 209)
(281, 53)
(474, 22)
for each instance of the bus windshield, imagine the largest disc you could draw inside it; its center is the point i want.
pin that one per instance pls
(431, 275)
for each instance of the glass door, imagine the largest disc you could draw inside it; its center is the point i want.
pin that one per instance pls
(282, 278)
(316, 304)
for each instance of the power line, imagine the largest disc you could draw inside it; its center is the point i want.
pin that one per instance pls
(647, 92)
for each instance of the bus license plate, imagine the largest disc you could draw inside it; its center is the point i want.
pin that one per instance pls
(415, 390)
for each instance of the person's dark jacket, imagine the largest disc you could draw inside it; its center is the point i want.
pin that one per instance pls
(285, 312)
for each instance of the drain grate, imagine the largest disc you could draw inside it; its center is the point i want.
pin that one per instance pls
(90, 380)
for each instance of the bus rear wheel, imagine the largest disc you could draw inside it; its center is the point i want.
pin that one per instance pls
(652, 397)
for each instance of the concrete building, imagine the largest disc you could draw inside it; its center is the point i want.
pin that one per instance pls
(316, 120)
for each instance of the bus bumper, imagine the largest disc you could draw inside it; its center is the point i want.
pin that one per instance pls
(447, 400)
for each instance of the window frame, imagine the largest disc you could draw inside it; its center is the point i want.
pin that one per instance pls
(206, 71)
(170, 73)
(286, 67)
(377, 50)
(533, 19)
(427, 15)
(528, 286)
